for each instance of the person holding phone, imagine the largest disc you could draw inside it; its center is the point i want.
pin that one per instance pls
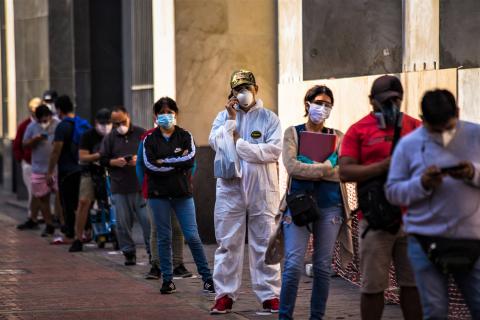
(435, 173)
(39, 137)
(118, 154)
(258, 142)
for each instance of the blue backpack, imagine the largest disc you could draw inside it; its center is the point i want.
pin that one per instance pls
(79, 127)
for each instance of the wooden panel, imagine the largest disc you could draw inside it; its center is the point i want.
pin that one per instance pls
(417, 83)
(290, 41)
(469, 94)
(421, 49)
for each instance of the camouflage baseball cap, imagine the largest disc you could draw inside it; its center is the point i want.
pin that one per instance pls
(240, 77)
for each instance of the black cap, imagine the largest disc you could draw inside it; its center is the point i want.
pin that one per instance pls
(386, 87)
(50, 95)
(103, 116)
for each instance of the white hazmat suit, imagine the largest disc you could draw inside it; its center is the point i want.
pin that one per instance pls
(255, 195)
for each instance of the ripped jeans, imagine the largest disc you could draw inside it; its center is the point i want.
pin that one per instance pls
(325, 231)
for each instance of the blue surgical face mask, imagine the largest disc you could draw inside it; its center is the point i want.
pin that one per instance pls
(166, 120)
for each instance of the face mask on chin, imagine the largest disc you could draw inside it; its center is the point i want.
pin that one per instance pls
(444, 138)
(245, 98)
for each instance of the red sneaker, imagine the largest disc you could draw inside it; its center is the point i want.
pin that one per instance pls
(222, 305)
(271, 305)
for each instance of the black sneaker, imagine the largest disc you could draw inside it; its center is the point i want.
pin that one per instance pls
(28, 225)
(76, 246)
(181, 272)
(168, 287)
(130, 258)
(48, 231)
(208, 286)
(153, 274)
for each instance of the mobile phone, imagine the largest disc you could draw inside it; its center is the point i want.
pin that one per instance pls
(128, 158)
(451, 168)
(44, 135)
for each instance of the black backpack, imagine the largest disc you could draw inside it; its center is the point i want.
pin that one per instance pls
(379, 213)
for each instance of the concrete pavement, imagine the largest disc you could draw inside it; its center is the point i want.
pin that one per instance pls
(42, 281)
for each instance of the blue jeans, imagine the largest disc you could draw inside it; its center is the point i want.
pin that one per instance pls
(127, 207)
(325, 231)
(433, 285)
(184, 208)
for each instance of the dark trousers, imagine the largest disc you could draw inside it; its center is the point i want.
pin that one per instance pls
(69, 188)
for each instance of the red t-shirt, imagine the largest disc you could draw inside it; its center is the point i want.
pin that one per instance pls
(20, 153)
(368, 144)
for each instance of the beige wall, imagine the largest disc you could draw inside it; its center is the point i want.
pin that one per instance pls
(469, 94)
(214, 37)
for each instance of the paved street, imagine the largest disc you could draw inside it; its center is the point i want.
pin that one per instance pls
(42, 281)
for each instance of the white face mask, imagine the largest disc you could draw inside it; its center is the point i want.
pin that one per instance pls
(122, 130)
(103, 129)
(445, 137)
(50, 106)
(245, 97)
(45, 125)
(318, 113)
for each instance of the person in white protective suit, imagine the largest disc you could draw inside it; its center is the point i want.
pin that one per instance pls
(254, 196)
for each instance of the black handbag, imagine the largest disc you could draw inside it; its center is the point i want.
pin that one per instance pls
(379, 213)
(450, 255)
(303, 207)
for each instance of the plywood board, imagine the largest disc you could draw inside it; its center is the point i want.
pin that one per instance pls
(417, 83)
(469, 94)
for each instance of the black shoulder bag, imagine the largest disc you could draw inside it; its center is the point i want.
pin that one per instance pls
(379, 213)
(302, 203)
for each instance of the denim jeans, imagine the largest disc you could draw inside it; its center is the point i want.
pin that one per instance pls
(184, 208)
(177, 243)
(325, 231)
(433, 285)
(127, 206)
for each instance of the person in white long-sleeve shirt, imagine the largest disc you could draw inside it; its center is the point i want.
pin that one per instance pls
(253, 196)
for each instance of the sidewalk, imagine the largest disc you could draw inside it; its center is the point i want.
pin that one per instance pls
(41, 281)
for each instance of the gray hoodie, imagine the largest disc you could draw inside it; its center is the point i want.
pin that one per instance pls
(453, 209)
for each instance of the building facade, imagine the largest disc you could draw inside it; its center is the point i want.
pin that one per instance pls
(132, 52)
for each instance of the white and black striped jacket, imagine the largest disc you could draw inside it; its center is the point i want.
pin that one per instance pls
(169, 163)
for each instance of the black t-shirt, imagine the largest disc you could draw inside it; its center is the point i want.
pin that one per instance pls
(68, 161)
(90, 141)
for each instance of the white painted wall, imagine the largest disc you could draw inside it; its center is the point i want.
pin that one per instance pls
(10, 68)
(164, 78)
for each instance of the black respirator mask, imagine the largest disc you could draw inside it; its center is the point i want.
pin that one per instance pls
(388, 114)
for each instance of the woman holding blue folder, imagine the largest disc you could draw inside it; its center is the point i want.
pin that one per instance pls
(319, 179)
